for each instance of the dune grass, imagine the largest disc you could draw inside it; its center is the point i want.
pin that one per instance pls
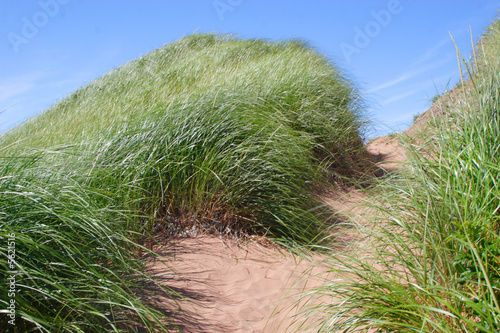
(433, 263)
(208, 134)
(215, 131)
(68, 264)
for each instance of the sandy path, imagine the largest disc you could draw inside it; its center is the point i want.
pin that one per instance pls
(233, 288)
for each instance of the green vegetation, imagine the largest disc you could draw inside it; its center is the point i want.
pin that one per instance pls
(435, 98)
(73, 267)
(210, 133)
(214, 131)
(433, 263)
(416, 116)
(393, 135)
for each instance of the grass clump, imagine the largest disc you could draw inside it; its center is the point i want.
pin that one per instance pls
(207, 134)
(433, 260)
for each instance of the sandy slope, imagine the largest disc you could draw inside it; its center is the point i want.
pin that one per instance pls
(248, 288)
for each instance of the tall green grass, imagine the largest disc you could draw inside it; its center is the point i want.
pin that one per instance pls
(433, 258)
(215, 132)
(64, 248)
(207, 134)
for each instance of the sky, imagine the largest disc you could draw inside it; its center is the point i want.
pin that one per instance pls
(398, 52)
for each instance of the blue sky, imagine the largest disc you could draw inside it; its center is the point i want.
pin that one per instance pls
(399, 52)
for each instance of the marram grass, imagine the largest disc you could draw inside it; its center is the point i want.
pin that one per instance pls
(69, 264)
(433, 258)
(213, 131)
(207, 134)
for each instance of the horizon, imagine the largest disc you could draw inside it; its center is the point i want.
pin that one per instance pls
(398, 52)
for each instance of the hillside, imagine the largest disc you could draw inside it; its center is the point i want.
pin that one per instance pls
(212, 128)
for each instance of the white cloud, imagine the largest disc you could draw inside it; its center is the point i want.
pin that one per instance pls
(393, 82)
(399, 97)
(408, 75)
(8, 91)
(17, 85)
(433, 51)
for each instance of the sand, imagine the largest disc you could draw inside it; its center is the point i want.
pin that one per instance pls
(230, 287)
